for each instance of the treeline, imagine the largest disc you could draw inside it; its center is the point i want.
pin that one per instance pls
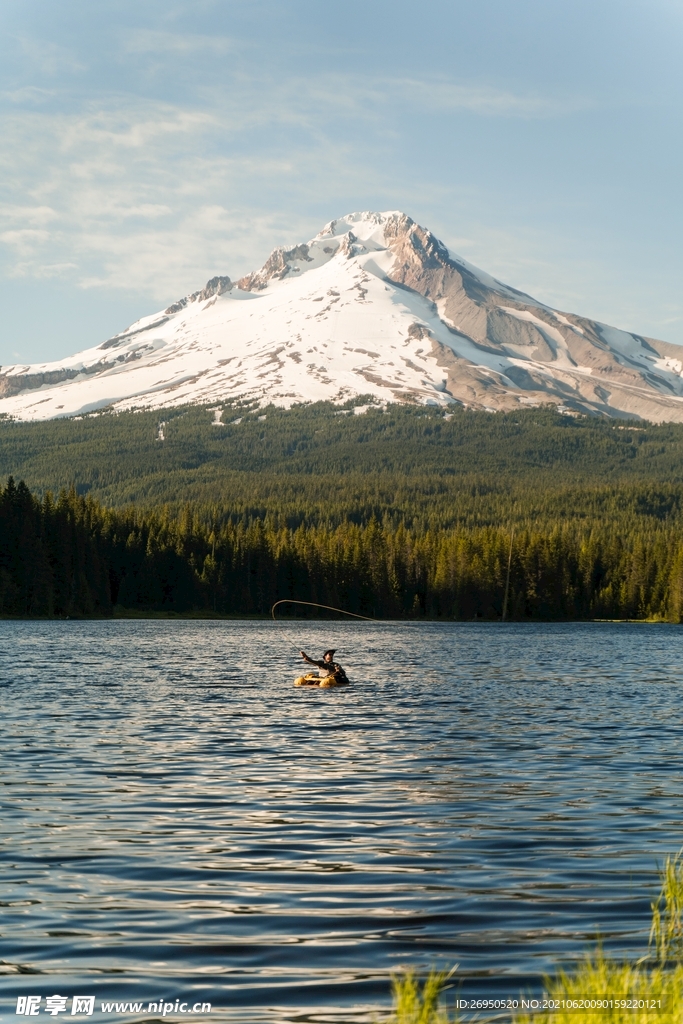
(70, 556)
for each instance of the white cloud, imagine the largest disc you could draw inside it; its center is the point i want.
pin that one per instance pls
(24, 239)
(148, 211)
(28, 214)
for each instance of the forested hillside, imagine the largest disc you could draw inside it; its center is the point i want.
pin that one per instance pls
(390, 513)
(316, 464)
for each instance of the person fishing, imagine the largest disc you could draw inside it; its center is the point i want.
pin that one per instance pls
(331, 667)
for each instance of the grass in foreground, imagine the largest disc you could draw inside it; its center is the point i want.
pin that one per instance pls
(416, 1003)
(601, 990)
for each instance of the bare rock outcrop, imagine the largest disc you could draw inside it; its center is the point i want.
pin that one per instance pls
(277, 266)
(215, 286)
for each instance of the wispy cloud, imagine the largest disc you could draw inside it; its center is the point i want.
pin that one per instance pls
(485, 100)
(150, 196)
(176, 43)
(48, 57)
(135, 198)
(371, 95)
(42, 271)
(28, 94)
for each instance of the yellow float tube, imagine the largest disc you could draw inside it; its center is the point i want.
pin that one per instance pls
(324, 682)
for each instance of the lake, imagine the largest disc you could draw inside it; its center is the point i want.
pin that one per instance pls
(178, 822)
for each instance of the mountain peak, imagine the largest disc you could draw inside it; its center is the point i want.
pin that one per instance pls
(368, 225)
(352, 235)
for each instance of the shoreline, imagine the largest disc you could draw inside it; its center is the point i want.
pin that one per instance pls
(198, 616)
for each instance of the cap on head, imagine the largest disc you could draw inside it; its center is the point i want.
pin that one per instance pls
(331, 653)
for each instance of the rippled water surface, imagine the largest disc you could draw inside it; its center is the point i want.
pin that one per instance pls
(177, 821)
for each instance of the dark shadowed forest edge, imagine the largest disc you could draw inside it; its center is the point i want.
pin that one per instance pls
(403, 512)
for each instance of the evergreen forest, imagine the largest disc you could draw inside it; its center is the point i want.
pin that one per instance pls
(399, 512)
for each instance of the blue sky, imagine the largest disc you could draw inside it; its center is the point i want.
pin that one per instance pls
(146, 146)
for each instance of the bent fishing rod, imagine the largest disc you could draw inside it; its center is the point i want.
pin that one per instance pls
(315, 604)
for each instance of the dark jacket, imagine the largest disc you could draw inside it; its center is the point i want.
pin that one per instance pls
(332, 668)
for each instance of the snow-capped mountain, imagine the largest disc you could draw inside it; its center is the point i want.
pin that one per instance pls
(374, 304)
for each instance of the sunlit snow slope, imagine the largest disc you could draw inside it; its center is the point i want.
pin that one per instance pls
(376, 305)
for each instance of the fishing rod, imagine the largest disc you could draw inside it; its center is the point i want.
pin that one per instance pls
(315, 604)
(312, 604)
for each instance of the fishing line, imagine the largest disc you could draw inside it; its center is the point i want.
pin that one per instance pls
(314, 604)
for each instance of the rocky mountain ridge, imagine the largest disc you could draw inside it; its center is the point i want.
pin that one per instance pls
(374, 304)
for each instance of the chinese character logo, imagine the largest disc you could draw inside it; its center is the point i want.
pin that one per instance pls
(28, 1006)
(55, 1005)
(83, 1004)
